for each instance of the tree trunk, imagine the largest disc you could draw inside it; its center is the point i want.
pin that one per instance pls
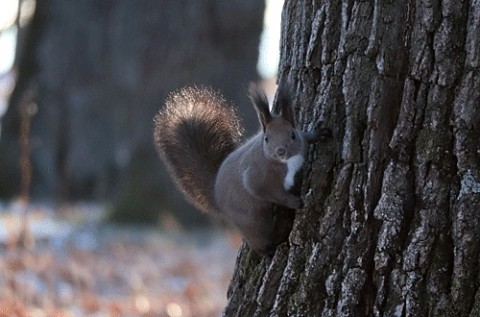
(391, 225)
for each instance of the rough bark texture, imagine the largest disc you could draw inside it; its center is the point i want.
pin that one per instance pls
(101, 70)
(391, 225)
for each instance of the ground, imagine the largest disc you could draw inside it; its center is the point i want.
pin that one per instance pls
(71, 263)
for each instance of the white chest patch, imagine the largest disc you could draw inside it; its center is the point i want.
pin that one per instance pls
(293, 165)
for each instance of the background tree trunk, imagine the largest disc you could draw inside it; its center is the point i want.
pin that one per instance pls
(100, 71)
(391, 225)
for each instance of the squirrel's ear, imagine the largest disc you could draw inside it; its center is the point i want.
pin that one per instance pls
(285, 103)
(260, 102)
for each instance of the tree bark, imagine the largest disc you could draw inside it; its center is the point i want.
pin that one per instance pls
(391, 224)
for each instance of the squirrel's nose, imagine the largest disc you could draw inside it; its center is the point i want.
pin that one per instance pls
(281, 151)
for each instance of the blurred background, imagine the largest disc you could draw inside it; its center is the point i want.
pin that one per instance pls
(80, 83)
(90, 76)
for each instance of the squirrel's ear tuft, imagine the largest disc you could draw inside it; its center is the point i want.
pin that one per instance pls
(260, 102)
(285, 101)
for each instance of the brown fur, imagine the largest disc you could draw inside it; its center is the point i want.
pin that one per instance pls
(198, 138)
(193, 134)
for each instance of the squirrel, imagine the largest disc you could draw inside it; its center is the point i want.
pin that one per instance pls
(198, 137)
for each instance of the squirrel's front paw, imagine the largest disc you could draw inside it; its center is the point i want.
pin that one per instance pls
(322, 134)
(319, 134)
(295, 203)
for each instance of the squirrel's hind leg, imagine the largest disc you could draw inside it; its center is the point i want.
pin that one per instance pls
(271, 228)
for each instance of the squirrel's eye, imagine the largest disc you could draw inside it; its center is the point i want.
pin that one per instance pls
(293, 136)
(266, 139)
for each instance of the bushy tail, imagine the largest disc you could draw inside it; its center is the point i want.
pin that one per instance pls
(194, 133)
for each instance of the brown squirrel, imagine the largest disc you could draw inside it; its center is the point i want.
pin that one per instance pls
(198, 137)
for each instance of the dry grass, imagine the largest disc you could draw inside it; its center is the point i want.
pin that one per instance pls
(81, 267)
